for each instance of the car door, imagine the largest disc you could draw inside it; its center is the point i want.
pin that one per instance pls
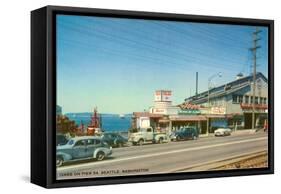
(191, 132)
(120, 139)
(107, 138)
(149, 134)
(114, 139)
(79, 149)
(91, 146)
(187, 132)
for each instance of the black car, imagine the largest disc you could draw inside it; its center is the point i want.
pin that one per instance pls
(185, 133)
(61, 139)
(114, 139)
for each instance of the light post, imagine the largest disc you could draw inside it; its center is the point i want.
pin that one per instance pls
(219, 74)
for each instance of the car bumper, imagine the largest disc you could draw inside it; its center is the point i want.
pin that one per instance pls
(110, 153)
(132, 140)
(173, 138)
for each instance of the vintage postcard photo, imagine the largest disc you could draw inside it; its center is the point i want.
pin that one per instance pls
(137, 96)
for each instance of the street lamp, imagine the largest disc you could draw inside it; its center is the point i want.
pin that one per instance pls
(219, 74)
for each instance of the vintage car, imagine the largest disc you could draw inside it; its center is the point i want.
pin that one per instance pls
(80, 148)
(147, 135)
(114, 139)
(61, 139)
(222, 132)
(185, 133)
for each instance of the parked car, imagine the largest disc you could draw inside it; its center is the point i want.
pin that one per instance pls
(185, 133)
(114, 139)
(222, 132)
(145, 135)
(61, 139)
(85, 147)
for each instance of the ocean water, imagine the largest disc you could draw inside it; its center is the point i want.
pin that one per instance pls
(110, 122)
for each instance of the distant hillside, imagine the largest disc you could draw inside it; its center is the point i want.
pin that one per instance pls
(89, 114)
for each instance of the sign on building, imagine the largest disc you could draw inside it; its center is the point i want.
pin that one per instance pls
(163, 96)
(143, 122)
(218, 110)
(189, 112)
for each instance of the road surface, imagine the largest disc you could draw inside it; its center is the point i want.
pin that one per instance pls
(166, 158)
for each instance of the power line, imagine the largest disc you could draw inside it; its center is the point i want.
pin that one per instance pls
(160, 51)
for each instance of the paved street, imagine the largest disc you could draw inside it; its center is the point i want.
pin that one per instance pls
(168, 157)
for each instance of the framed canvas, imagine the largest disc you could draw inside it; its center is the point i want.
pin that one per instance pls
(126, 96)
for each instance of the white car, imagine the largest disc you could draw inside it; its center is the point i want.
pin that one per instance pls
(222, 132)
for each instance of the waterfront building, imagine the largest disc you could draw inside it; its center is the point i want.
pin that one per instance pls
(166, 117)
(229, 105)
(163, 103)
(234, 101)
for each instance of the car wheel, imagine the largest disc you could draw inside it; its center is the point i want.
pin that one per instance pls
(161, 140)
(194, 137)
(141, 142)
(177, 138)
(59, 161)
(100, 156)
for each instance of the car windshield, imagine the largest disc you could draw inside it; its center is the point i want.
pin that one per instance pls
(120, 136)
(108, 135)
(70, 142)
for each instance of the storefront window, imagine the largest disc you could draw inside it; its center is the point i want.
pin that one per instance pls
(256, 100)
(234, 99)
(247, 99)
(237, 99)
(240, 98)
(262, 100)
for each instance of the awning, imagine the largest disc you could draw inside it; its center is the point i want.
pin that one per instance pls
(188, 118)
(219, 116)
(147, 114)
(164, 121)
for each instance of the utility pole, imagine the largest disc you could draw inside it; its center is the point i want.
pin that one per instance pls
(254, 51)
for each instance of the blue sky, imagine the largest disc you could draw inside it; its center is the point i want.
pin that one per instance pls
(117, 64)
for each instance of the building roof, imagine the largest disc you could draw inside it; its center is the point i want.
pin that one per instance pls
(226, 88)
(188, 118)
(147, 114)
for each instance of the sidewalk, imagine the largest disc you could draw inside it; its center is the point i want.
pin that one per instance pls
(237, 132)
(244, 131)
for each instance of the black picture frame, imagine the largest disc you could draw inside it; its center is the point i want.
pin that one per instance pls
(43, 96)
